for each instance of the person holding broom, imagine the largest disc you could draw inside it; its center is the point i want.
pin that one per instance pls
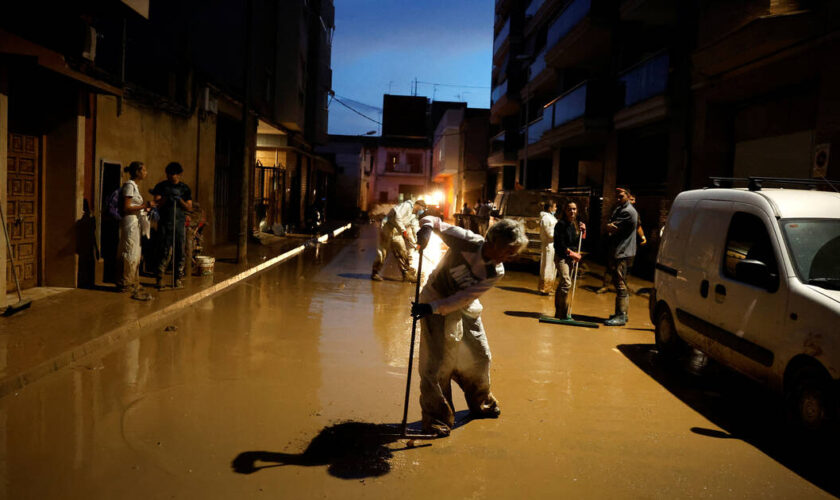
(453, 344)
(568, 234)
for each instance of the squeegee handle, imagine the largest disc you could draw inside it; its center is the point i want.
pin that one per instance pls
(404, 424)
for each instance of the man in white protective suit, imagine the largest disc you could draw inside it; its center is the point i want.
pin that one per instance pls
(453, 344)
(397, 235)
(548, 272)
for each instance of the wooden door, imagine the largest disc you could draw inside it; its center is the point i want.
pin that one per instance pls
(22, 214)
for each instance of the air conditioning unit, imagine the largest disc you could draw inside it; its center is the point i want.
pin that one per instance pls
(209, 103)
(89, 48)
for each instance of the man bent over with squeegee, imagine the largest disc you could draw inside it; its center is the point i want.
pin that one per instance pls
(454, 345)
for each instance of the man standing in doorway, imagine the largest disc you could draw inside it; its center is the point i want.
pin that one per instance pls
(172, 195)
(548, 272)
(622, 249)
(398, 234)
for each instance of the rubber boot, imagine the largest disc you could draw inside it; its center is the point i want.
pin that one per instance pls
(622, 304)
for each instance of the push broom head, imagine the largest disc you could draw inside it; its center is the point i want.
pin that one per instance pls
(569, 322)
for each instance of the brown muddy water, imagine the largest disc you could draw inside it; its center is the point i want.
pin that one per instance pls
(290, 386)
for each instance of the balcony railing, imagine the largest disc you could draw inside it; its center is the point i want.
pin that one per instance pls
(570, 106)
(568, 19)
(498, 92)
(533, 7)
(538, 127)
(537, 66)
(647, 79)
(501, 37)
(404, 168)
(497, 143)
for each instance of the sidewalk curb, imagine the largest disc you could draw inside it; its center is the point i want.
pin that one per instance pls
(134, 328)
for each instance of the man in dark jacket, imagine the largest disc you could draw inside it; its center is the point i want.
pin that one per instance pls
(622, 249)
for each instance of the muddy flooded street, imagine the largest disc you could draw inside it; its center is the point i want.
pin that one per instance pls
(283, 387)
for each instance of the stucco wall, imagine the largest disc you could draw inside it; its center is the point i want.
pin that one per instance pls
(157, 138)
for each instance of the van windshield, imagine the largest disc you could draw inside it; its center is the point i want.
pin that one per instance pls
(524, 205)
(815, 248)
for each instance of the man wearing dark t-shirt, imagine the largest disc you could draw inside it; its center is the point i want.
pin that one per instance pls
(172, 194)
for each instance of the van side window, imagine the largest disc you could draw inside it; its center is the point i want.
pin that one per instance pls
(747, 239)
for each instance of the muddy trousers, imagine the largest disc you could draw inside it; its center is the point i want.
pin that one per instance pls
(562, 307)
(165, 233)
(548, 272)
(390, 238)
(128, 253)
(622, 295)
(453, 347)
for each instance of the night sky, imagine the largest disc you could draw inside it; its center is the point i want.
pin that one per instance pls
(385, 44)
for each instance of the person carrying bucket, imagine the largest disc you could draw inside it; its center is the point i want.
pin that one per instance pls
(568, 234)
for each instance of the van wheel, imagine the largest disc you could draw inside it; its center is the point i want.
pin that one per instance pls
(670, 346)
(812, 405)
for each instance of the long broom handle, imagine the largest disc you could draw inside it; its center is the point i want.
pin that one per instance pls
(11, 254)
(574, 280)
(411, 349)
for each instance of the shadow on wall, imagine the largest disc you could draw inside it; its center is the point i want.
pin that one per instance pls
(744, 411)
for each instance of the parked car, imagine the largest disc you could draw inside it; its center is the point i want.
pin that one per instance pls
(751, 277)
(526, 204)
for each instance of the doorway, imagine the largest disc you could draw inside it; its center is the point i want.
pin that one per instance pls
(22, 215)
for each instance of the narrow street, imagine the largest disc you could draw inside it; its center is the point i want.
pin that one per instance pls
(276, 389)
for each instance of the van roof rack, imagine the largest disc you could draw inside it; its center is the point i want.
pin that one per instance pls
(756, 183)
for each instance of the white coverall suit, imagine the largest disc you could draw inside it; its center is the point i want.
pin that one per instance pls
(129, 251)
(548, 271)
(400, 220)
(453, 343)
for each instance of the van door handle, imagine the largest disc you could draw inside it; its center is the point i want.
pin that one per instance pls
(704, 288)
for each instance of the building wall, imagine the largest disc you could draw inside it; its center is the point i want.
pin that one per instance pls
(390, 182)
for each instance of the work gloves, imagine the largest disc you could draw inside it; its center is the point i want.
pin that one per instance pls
(423, 236)
(420, 310)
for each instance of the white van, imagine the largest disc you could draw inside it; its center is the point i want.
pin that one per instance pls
(751, 277)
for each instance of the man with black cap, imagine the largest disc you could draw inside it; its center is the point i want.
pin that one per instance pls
(622, 249)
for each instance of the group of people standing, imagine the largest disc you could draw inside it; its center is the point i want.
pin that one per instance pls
(171, 200)
(561, 240)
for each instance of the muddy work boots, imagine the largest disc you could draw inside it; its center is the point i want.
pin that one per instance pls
(622, 304)
(410, 275)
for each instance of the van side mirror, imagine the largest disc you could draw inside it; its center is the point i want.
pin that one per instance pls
(756, 273)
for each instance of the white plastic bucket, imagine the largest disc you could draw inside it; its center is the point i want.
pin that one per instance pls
(205, 265)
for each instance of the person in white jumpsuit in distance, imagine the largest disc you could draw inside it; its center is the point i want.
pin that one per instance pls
(132, 209)
(398, 235)
(453, 344)
(548, 272)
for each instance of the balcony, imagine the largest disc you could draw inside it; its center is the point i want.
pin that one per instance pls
(580, 34)
(575, 117)
(645, 80)
(498, 92)
(537, 66)
(644, 85)
(502, 150)
(574, 13)
(501, 38)
(570, 106)
(533, 7)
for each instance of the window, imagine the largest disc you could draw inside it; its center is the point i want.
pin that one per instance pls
(415, 163)
(392, 162)
(747, 239)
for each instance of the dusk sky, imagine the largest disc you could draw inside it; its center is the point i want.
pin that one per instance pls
(385, 44)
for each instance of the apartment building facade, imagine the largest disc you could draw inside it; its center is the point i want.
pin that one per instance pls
(658, 96)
